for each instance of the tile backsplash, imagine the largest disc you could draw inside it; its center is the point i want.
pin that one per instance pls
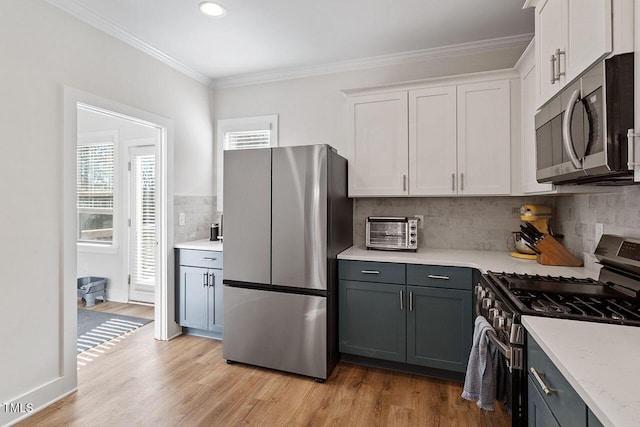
(483, 223)
(580, 216)
(200, 213)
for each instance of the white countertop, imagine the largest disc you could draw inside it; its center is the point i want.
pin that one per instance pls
(202, 245)
(481, 260)
(599, 360)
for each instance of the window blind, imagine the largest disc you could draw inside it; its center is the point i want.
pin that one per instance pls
(247, 139)
(95, 176)
(144, 169)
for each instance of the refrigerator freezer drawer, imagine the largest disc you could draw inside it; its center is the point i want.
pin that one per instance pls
(282, 331)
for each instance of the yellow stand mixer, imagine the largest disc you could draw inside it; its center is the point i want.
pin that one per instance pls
(539, 216)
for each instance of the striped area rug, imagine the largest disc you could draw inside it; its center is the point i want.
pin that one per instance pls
(99, 332)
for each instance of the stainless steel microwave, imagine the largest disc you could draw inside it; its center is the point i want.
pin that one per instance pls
(391, 233)
(581, 134)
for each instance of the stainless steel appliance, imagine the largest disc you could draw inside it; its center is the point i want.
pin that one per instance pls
(581, 134)
(287, 216)
(504, 297)
(391, 233)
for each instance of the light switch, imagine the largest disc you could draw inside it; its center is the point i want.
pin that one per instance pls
(182, 218)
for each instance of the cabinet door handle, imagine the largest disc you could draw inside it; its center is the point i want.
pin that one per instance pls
(438, 277)
(462, 181)
(369, 272)
(410, 301)
(401, 300)
(557, 64)
(404, 182)
(453, 182)
(553, 69)
(212, 279)
(205, 280)
(537, 375)
(208, 259)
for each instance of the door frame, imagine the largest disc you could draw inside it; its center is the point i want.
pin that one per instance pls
(164, 326)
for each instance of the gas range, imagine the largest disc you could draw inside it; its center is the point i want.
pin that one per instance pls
(503, 298)
(567, 298)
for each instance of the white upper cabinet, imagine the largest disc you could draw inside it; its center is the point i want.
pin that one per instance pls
(484, 138)
(432, 141)
(526, 68)
(379, 131)
(572, 35)
(549, 40)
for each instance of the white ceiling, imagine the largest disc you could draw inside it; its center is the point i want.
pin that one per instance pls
(264, 35)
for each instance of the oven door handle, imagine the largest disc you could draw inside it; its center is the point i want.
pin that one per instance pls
(567, 139)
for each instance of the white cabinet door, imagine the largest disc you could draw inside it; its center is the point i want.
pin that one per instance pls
(484, 143)
(549, 37)
(528, 102)
(432, 141)
(588, 33)
(379, 129)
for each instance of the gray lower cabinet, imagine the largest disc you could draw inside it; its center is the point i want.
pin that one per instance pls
(199, 290)
(421, 315)
(539, 414)
(372, 320)
(552, 400)
(439, 327)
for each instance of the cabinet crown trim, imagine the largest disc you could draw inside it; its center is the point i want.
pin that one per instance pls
(483, 76)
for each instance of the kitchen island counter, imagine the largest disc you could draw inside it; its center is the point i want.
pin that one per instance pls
(599, 360)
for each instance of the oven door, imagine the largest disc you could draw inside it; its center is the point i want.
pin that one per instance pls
(387, 233)
(512, 352)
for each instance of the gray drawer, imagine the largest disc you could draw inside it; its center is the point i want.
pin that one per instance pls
(195, 258)
(564, 402)
(366, 271)
(439, 276)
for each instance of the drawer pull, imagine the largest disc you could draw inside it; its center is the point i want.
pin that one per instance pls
(537, 375)
(208, 259)
(435, 276)
(369, 272)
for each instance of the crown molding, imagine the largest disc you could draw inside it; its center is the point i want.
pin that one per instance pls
(371, 62)
(98, 21)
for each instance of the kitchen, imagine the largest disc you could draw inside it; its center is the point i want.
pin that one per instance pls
(312, 109)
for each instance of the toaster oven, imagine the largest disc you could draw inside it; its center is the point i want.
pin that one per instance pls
(392, 233)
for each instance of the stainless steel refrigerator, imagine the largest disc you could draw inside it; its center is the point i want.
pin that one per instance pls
(286, 218)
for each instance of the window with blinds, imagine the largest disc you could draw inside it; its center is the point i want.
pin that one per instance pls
(239, 140)
(144, 264)
(95, 192)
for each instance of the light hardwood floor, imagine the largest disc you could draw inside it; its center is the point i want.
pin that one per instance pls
(185, 382)
(135, 310)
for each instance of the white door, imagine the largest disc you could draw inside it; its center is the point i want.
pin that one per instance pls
(379, 130)
(589, 35)
(432, 141)
(549, 37)
(484, 138)
(144, 226)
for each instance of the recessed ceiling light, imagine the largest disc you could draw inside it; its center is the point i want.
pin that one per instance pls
(212, 9)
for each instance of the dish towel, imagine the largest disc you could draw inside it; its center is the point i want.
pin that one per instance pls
(480, 379)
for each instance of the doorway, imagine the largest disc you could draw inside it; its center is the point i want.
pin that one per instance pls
(74, 100)
(118, 206)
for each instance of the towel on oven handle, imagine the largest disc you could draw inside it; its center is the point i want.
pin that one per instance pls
(480, 378)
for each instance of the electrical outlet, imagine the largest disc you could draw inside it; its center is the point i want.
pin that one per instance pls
(420, 220)
(182, 219)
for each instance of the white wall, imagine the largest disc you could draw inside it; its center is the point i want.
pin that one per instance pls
(43, 50)
(113, 262)
(313, 110)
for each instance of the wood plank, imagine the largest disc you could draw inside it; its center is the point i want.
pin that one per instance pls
(186, 382)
